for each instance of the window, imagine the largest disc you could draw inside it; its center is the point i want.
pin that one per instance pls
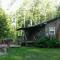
(51, 30)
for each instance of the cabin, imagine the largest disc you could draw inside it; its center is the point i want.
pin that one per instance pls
(50, 28)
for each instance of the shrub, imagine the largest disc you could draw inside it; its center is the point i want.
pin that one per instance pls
(47, 42)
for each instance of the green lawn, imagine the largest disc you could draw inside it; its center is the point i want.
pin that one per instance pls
(25, 53)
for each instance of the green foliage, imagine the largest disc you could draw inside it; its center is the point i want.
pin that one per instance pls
(34, 11)
(11, 27)
(6, 28)
(38, 12)
(58, 11)
(47, 42)
(3, 24)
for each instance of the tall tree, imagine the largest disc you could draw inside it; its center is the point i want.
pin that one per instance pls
(35, 12)
(3, 25)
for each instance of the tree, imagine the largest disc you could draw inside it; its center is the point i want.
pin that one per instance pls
(3, 25)
(39, 11)
(35, 12)
(58, 11)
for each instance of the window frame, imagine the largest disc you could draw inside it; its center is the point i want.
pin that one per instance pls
(52, 29)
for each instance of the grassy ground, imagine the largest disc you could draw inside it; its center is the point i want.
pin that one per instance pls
(31, 54)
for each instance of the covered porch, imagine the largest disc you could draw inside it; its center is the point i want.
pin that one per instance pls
(30, 33)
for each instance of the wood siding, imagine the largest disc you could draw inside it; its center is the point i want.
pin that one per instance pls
(55, 24)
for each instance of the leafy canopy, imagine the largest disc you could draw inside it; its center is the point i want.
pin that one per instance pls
(3, 24)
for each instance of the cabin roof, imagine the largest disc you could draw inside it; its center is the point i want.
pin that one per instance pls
(39, 25)
(32, 27)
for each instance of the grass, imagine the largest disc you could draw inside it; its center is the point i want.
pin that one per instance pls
(26, 53)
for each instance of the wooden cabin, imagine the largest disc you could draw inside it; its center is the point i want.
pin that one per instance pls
(49, 28)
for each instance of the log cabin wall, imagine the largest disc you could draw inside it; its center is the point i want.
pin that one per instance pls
(52, 28)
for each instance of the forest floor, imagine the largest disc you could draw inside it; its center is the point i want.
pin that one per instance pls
(27, 53)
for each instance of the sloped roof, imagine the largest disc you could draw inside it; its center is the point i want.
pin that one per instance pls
(32, 27)
(39, 25)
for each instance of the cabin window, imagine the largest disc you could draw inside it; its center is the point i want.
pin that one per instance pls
(51, 30)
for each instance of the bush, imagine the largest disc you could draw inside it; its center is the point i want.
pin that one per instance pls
(47, 42)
